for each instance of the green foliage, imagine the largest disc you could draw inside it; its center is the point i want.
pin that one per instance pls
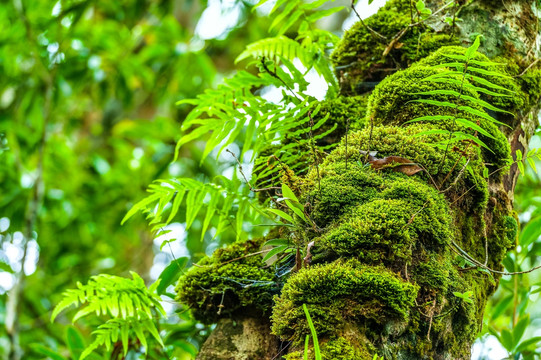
(130, 305)
(167, 196)
(317, 351)
(310, 45)
(530, 157)
(465, 65)
(68, 128)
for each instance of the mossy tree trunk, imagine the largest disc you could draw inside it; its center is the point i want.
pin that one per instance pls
(386, 263)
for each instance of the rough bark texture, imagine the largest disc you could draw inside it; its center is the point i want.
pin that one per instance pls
(386, 261)
(244, 339)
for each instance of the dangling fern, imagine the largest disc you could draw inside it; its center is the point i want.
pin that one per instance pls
(130, 305)
(236, 112)
(167, 196)
(463, 78)
(310, 46)
(113, 330)
(233, 109)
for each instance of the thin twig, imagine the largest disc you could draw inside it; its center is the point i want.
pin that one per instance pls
(246, 180)
(314, 149)
(468, 257)
(528, 68)
(372, 31)
(275, 75)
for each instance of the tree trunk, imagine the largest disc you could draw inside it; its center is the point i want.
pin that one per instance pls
(388, 274)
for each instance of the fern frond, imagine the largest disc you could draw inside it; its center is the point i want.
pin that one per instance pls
(116, 329)
(270, 48)
(470, 77)
(219, 201)
(113, 295)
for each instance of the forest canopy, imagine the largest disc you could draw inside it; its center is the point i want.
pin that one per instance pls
(325, 179)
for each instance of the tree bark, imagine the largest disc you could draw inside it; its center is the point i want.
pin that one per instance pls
(386, 266)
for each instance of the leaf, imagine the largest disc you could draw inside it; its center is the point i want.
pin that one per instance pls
(297, 209)
(75, 342)
(282, 214)
(532, 164)
(531, 232)
(507, 340)
(518, 155)
(323, 13)
(397, 163)
(43, 350)
(277, 242)
(313, 331)
(306, 342)
(520, 327)
(527, 343)
(170, 274)
(473, 48)
(471, 125)
(287, 193)
(274, 251)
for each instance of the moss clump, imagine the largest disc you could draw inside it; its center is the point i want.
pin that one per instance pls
(341, 189)
(375, 233)
(531, 86)
(434, 273)
(502, 237)
(394, 102)
(338, 349)
(228, 282)
(358, 57)
(384, 231)
(338, 293)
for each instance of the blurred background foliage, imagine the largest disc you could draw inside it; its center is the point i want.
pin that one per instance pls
(88, 120)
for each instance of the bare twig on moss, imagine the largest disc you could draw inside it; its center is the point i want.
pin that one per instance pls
(478, 264)
(431, 318)
(528, 68)
(372, 31)
(402, 32)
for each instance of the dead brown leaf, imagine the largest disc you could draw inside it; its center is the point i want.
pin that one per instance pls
(397, 163)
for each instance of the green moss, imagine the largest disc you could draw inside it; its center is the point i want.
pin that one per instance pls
(510, 229)
(385, 230)
(393, 102)
(433, 274)
(531, 86)
(502, 237)
(338, 349)
(359, 58)
(228, 282)
(374, 233)
(342, 189)
(340, 292)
